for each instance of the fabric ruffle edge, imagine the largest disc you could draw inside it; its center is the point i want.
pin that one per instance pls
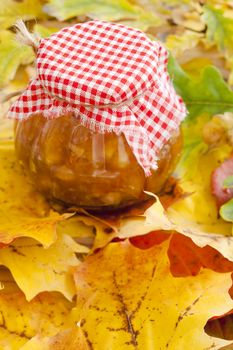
(132, 120)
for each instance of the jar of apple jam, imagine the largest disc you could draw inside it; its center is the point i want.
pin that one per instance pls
(100, 124)
(69, 163)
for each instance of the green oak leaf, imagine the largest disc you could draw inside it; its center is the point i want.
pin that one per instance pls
(220, 32)
(11, 10)
(12, 55)
(206, 93)
(226, 210)
(108, 10)
(219, 27)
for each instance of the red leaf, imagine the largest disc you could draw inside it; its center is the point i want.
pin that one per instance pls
(150, 239)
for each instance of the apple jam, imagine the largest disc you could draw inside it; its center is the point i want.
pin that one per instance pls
(70, 164)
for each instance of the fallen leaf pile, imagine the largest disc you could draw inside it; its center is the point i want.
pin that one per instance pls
(158, 276)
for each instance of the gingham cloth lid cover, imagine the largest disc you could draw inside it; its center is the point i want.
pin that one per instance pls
(112, 78)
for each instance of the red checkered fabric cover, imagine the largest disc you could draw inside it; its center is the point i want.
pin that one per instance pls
(113, 79)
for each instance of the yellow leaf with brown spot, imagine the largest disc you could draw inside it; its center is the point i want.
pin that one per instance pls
(90, 231)
(69, 339)
(23, 211)
(36, 269)
(128, 299)
(80, 228)
(20, 321)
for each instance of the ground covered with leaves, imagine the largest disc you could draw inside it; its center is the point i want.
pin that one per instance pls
(155, 277)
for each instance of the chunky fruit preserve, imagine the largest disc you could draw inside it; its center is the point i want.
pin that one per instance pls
(69, 163)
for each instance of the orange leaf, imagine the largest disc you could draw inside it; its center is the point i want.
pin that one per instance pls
(186, 258)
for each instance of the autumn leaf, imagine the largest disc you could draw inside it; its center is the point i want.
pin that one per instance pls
(193, 147)
(181, 217)
(230, 64)
(36, 269)
(44, 32)
(11, 10)
(23, 211)
(221, 327)
(124, 294)
(83, 229)
(150, 239)
(186, 258)
(71, 338)
(219, 23)
(190, 216)
(219, 27)
(21, 321)
(12, 55)
(208, 93)
(177, 44)
(153, 219)
(198, 212)
(20, 81)
(211, 136)
(200, 205)
(107, 10)
(129, 298)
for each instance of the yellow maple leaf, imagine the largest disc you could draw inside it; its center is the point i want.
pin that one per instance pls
(36, 269)
(68, 339)
(21, 321)
(128, 299)
(11, 10)
(91, 231)
(81, 228)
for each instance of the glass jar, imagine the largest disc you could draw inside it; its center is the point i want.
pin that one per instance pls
(70, 164)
